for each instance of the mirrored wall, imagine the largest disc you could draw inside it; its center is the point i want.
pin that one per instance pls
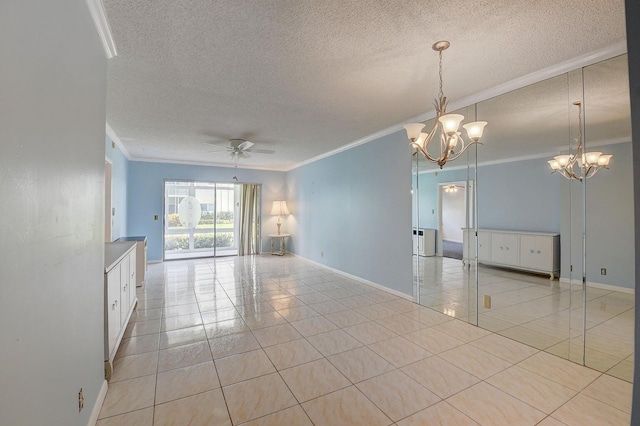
(503, 243)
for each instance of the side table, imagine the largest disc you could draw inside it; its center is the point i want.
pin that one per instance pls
(282, 237)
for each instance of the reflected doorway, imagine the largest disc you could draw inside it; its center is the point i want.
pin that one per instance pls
(452, 208)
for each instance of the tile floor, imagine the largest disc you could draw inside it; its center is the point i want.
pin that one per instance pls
(271, 340)
(538, 312)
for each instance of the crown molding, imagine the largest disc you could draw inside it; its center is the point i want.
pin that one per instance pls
(114, 137)
(548, 155)
(100, 20)
(203, 163)
(608, 52)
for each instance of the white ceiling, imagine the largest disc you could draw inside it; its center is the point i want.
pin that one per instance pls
(304, 78)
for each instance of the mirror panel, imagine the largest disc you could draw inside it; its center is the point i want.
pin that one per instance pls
(610, 266)
(580, 314)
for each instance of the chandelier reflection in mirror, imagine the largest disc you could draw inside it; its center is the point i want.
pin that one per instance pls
(452, 145)
(588, 164)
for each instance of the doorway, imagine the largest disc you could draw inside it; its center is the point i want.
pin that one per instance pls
(201, 219)
(455, 213)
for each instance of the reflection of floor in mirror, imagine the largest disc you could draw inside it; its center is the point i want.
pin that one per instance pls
(536, 311)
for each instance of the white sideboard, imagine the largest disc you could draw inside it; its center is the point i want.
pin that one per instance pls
(424, 241)
(529, 251)
(119, 296)
(141, 257)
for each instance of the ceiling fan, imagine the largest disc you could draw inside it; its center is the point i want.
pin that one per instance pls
(240, 148)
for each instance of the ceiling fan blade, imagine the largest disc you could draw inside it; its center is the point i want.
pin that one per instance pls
(261, 151)
(243, 154)
(245, 145)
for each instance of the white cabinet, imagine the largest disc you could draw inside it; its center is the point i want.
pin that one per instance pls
(469, 246)
(141, 257)
(530, 251)
(119, 296)
(504, 248)
(484, 246)
(424, 242)
(537, 252)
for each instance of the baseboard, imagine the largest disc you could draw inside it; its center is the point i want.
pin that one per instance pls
(599, 285)
(357, 278)
(154, 261)
(98, 405)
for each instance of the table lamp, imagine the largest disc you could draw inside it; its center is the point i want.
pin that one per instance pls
(279, 208)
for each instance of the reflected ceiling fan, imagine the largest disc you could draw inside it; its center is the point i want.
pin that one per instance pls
(239, 148)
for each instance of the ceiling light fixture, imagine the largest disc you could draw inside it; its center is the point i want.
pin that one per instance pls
(452, 145)
(588, 163)
(450, 188)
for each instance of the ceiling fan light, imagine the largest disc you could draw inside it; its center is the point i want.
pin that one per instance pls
(475, 129)
(450, 123)
(413, 130)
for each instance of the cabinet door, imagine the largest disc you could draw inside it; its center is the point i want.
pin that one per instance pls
(504, 248)
(133, 277)
(528, 251)
(544, 253)
(124, 290)
(112, 309)
(484, 245)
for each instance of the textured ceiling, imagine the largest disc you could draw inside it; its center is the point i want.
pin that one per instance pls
(304, 77)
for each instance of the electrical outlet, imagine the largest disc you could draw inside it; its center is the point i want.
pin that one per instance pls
(603, 271)
(486, 301)
(571, 268)
(321, 254)
(80, 400)
(155, 217)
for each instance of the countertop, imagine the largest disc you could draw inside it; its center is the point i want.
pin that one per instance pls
(114, 252)
(121, 239)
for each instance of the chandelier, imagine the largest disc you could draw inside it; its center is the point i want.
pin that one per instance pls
(452, 145)
(588, 163)
(450, 188)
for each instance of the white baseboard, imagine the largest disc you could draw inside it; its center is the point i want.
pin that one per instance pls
(95, 412)
(357, 278)
(599, 285)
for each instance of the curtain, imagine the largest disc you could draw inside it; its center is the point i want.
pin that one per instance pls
(249, 220)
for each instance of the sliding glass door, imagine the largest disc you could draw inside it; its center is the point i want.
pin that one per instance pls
(200, 219)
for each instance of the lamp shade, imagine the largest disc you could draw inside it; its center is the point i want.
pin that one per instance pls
(604, 160)
(413, 130)
(450, 123)
(592, 157)
(475, 129)
(554, 164)
(279, 208)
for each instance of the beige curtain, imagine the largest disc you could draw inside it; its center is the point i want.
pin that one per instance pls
(249, 220)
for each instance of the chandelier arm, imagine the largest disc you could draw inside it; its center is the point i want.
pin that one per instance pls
(425, 153)
(426, 143)
(464, 149)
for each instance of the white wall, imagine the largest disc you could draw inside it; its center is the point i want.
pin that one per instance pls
(454, 216)
(52, 123)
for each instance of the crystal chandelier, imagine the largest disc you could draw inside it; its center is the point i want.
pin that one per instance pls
(588, 164)
(452, 145)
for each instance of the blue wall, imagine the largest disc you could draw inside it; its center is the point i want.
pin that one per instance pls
(119, 179)
(352, 212)
(524, 195)
(520, 195)
(145, 195)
